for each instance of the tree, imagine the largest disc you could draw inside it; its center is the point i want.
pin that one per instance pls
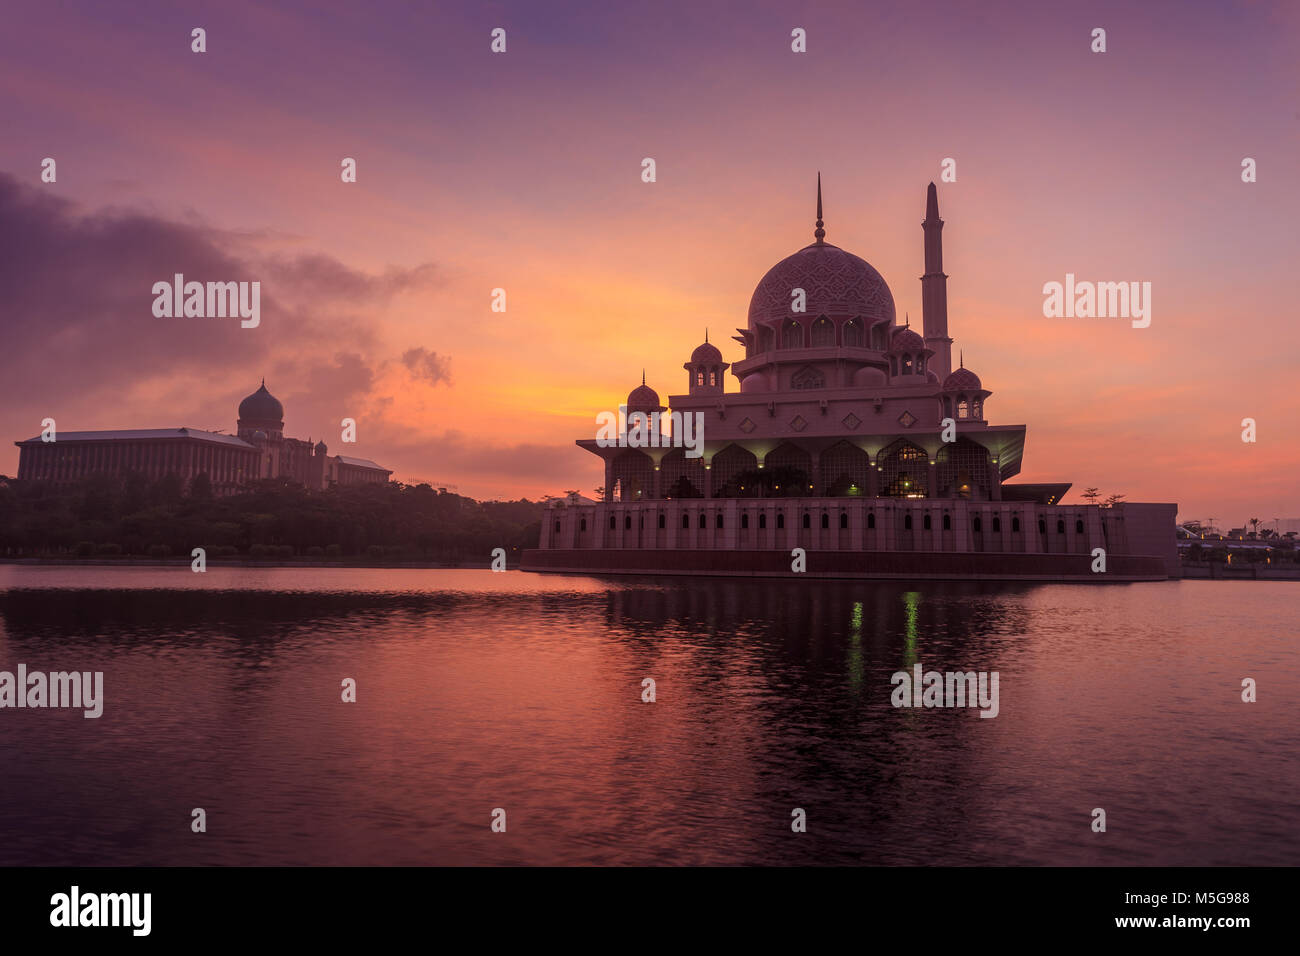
(1114, 499)
(1254, 523)
(201, 486)
(599, 493)
(1091, 495)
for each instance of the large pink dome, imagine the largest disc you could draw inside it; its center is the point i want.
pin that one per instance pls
(837, 284)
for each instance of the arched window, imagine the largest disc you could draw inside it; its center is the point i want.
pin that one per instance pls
(792, 335)
(699, 378)
(686, 521)
(844, 520)
(1078, 527)
(926, 523)
(703, 522)
(903, 470)
(713, 379)
(640, 522)
(963, 409)
(557, 526)
(1042, 526)
(780, 519)
(807, 520)
(627, 522)
(977, 409)
(744, 521)
(871, 520)
(826, 520)
(718, 522)
(878, 337)
(762, 520)
(1015, 524)
(978, 525)
(907, 522)
(661, 522)
(852, 332)
(997, 525)
(582, 525)
(907, 365)
(947, 522)
(612, 524)
(823, 332)
(1060, 526)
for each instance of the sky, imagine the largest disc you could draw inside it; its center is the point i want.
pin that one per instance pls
(522, 171)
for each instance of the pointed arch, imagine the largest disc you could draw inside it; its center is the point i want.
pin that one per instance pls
(903, 470)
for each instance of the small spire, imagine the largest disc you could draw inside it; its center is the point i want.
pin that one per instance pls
(263, 381)
(706, 335)
(819, 233)
(642, 376)
(961, 358)
(931, 204)
(907, 319)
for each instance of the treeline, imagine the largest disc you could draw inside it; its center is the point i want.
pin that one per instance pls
(106, 516)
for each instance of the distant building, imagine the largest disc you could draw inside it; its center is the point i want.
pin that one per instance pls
(259, 450)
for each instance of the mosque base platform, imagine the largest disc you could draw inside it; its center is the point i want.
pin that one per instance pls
(875, 565)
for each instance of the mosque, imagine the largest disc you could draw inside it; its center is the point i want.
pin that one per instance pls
(852, 437)
(259, 449)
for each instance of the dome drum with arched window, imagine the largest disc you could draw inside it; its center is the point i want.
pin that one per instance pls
(963, 395)
(705, 370)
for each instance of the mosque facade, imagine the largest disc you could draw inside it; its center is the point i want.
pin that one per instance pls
(851, 436)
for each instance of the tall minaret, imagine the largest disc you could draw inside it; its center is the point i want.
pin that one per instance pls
(934, 289)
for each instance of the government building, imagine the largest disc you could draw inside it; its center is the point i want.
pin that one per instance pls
(851, 436)
(257, 450)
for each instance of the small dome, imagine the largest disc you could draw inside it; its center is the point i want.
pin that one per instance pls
(706, 354)
(643, 398)
(754, 383)
(905, 340)
(962, 378)
(869, 375)
(259, 435)
(321, 448)
(261, 406)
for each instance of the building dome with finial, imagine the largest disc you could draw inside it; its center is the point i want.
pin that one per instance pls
(261, 406)
(962, 379)
(643, 398)
(706, 354)
(906, 340)
(835, 283)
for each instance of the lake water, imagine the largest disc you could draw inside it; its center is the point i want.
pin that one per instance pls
(478, 691)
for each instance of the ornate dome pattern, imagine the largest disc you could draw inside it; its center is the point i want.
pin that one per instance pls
(962, 378)
(837, 283)
(706, 354)
(906, 340)
(643, 398)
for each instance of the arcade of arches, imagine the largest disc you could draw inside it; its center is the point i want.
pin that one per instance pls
(961, 469)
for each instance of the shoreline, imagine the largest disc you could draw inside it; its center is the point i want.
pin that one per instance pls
(236, 563)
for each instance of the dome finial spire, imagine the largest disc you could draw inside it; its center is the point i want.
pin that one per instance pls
(642, 376)
(706, 335)
(819, 233)
(961, 358)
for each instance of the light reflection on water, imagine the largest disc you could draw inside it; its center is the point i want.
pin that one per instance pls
(479, 690)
